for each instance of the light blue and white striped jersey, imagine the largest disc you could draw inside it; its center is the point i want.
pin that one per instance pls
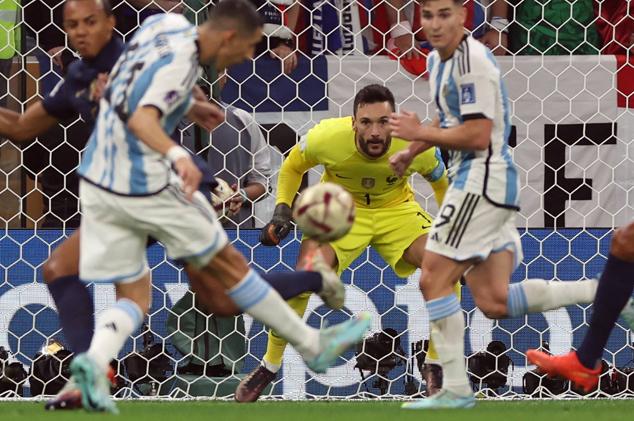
(469, 85)
(159, 68)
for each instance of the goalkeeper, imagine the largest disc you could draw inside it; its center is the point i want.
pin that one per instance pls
(355, 153)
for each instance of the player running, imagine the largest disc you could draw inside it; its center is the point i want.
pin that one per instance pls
(129, 192)
(474, 233)
(355, 153)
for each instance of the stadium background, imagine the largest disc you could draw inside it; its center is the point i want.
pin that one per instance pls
(572, 141)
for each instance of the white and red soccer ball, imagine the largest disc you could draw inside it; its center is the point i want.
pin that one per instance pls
(324, 212)
(220, 196)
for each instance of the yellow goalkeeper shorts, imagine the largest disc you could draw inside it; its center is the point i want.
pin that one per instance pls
(390, 231)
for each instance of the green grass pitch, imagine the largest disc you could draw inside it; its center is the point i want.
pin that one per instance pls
(596, 410)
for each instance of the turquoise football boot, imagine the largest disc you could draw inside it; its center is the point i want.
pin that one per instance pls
(94, 385)
(335, 340)
(442, 400)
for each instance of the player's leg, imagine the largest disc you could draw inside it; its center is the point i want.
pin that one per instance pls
(110, 251)
(460, 236)
(447, 331)
(276, 344)
(497, 299)
(615, 289)
(252, 386)
(198, 238)
(318, 277)
(338, 255)
(75, 310)
(74, 304)
(401, 237)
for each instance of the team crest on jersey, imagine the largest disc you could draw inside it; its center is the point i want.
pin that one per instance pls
(171, 97)
(467, 93)
(368, 182)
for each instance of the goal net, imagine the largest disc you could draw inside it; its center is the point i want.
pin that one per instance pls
(572, 141)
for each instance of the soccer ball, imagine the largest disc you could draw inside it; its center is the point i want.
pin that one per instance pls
(220, 195)
(324, 212)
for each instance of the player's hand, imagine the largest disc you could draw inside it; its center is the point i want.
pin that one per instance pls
(235, 203)
(288, 57)
(206, 115)
(405, 125)
(400, 161)
(279, 227)
(198, 94)
(189, 174)
(496, 41)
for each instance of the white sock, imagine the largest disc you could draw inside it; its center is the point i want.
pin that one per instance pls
(256, 297)
(447, 331)
(273, 368)
(113, 328)
(538, 295)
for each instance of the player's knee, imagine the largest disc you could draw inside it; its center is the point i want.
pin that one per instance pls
(427, 283)
(622, 245)
(55, 268)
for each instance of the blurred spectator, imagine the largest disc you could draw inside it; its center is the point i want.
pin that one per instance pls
(615, 24)
(397, 24)
(130, 14)
(280, 23)
(9, 42)
(345, 27)
(554, 27)
(238, 153)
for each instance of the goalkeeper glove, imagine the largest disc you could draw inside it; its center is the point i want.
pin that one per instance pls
(279, 227)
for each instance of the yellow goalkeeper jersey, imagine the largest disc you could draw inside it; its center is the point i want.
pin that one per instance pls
(371, 182)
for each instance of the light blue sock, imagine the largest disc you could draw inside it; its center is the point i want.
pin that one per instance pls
(443, 307)
(517, 304)
(256, 297)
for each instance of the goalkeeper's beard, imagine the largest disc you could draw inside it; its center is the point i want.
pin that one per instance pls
(373, 152)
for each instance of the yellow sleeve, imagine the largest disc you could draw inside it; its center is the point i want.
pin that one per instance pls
(440, 187)
(293, 168)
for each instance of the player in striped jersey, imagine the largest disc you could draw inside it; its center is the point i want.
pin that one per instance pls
(474, 234)
(89, 26)
(130, 192)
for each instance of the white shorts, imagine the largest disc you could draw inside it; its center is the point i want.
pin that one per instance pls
(469, 227)
(114, 231)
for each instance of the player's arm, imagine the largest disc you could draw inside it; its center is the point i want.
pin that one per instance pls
(171, 87)
(401, 160)
(20, 128)
(202, 112)
(145, 124)
(290, 177)
(288, 181)
(473, 134)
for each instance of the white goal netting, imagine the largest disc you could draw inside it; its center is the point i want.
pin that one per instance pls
(572, 140)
